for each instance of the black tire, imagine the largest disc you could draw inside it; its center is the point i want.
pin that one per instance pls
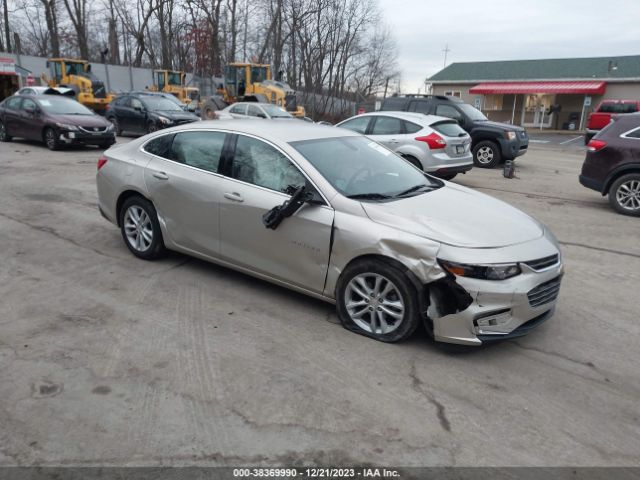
(152, 127)
(404, 291)
(50, 138)
(486, 154)
(116, 125)
(413, 161)
(4, 136)
(624, 187)
(155, 249)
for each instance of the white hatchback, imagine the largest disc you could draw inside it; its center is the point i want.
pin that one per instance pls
(436, 145)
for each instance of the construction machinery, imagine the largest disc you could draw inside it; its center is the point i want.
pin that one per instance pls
(252, 82)
(173, 82)
(76, 75)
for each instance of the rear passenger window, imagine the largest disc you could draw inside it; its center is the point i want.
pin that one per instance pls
(198, 149)
(419, 106)
(411, 127)
(387, 126)
(160, 146)
(13, 103)
(358, 124)
(448, 111)
(449, 129)
(634, 134)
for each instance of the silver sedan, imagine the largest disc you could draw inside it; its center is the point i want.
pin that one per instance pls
(332, 214)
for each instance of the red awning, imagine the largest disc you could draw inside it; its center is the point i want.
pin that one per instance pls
(593, 88)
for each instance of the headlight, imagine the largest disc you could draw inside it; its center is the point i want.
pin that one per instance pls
(500, 271)
(510, 135)
(165, 120)
(64, 126)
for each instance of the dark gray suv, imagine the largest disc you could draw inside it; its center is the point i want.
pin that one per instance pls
(491, 142)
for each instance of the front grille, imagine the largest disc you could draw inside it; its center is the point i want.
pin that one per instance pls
(542, 263)
(93, 129)
(544, 293)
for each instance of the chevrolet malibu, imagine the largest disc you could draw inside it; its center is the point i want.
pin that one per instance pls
(335, 215)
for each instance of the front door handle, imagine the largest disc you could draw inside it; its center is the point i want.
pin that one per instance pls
(234, 196)
(161, 175)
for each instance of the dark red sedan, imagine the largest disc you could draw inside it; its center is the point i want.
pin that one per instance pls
(54, 120)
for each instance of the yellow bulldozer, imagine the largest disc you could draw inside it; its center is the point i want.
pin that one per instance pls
(76, 75)
(252, 82)
(173, 82)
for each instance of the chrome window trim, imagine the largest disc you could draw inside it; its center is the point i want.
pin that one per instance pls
(626, 134)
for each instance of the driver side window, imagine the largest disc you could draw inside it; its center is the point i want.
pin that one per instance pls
(28, 104)
(136, 103)
(260, 164)
(254, 111)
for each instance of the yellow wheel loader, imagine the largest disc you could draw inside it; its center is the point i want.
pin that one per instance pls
(76, 75)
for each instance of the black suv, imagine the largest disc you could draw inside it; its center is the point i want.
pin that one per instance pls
(141, 112)
(491, 142)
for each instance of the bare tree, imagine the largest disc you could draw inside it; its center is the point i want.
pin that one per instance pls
(77, 10)
(7, 28)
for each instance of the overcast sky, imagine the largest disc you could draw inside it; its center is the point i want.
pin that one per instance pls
(483, 30)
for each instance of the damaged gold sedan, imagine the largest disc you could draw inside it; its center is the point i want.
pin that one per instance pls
(332, 214)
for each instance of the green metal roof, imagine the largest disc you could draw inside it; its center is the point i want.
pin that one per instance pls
(551, 69)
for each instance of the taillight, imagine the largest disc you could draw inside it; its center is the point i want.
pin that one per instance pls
(596, 145)
(434, 141)
(101, 162)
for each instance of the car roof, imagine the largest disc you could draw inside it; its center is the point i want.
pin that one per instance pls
(280, 130)
(414, 117)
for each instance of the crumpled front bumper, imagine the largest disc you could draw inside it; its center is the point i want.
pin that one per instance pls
(505, 308)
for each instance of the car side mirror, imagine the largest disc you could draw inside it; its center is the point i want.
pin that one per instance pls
(299, 196)
(137, 108)
(191, 107)
(31, 110)
(261, 115)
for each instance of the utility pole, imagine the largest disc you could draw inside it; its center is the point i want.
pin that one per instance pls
(446, 51)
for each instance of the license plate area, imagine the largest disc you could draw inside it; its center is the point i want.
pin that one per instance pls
(459, 149)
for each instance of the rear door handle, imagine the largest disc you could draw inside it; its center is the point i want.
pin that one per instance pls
(234, 196)
(161, 175)
(393, 140)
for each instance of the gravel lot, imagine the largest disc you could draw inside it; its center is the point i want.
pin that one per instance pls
(111, 360)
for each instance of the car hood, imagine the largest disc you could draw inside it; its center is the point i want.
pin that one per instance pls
(177, 115)
(500, 126)
(457, 216)
(80, 120)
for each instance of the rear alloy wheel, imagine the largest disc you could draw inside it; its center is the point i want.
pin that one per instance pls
(51, 139)
(624, 195)
(486, 154)
(140, 228)
(4, 137)
(378, 300)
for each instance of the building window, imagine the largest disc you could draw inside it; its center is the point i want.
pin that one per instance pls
(453, 93)
(492, 102)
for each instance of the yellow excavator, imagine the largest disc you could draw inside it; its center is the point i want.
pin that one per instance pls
(252, 82)
(76, 75)
(173, 82)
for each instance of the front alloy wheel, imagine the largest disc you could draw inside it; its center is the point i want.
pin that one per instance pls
(376, 298)
(374, 303)
(51, 139)
(624, 195)
(486, 154)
